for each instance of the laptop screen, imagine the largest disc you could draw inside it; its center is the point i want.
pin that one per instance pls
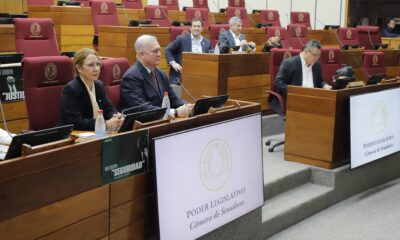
(143, 116)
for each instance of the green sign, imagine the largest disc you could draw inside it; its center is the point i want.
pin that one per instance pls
(124, 155)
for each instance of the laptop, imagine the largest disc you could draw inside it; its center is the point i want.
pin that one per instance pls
(203, 104)
(37, 138)
(143, 116)
(375, 78)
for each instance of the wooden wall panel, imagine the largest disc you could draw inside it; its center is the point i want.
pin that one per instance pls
(55, 216)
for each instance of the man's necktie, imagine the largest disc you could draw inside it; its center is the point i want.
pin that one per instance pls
(154, 78)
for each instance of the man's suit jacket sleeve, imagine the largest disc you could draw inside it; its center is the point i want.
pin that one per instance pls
(207, 45)
(173, 47)
(223, 39)
(282, 78)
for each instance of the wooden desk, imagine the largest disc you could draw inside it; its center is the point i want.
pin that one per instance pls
(394, 43)
(7, 38)
(327, 38)
(58, 194)
(318, 124)
(242, 76)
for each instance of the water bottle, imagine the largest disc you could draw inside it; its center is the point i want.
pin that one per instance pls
(100, 126)
(165, 104)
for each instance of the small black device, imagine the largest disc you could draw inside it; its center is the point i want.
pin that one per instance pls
(143, 116)
(328, 27)
(341, 82)
(68, 3)
(225, 49)
(268, 47)
(37, 138)
(11, 58)
(203, 104)
(375, 78)
(135, 23)
(69, 54)
(346, 46)
(263, 25)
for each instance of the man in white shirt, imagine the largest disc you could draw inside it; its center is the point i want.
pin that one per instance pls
(301, 70)
(234, 37)
(193, 42)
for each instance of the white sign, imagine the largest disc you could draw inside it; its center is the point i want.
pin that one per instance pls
(374, 126)
(208, 177)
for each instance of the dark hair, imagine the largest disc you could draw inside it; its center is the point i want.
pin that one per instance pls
(312, 44)
(197, 20)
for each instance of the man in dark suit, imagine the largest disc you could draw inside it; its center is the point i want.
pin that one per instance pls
(192, 42)
(234, 37)
(143, 84)
(301, 70)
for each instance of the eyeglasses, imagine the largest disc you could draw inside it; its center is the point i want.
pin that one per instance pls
(93, 65)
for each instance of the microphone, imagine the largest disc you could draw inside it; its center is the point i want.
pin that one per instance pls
(129, 110)
(184, 88)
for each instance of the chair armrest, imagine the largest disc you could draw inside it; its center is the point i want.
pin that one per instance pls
(273, 94)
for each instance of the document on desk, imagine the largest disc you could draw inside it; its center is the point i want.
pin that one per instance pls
(3, 151)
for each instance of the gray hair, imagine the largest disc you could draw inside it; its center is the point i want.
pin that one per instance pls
(142, 40)
(312, 44)
(234, 20)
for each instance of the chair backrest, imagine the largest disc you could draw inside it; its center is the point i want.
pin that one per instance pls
(297, 35)
(200, 4)
(174, 32)
(199, 13)
(215, 30)
(300, 18)
(331, 60)
(35, 37)
(111, 72)
(104, 12)
(240, 12)
(373, 63)
(276, 58)
(40, 2)
(270, 17)
(158, 15)
(132, 4)
(277, 32)
(44, 79)
(236, 3)
(348, 36)
(170, 4)
(369, 35)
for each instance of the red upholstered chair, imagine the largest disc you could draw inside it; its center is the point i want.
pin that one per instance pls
(270, 17)
(369, 35)
(111, 72)
(35, 37)
(174, 32)
(297, 35)
(158, 15)
(373, 63)
(331, 61)
(200, 4)
(276, 58)
(132, 4)
(236, 3)
(277, 32)
(170, 4)
(104, 12)
(240, 12)
(44, 79)
(348, 36)
(200, 13)
(215, 30)
(40, 2)
(300, 18)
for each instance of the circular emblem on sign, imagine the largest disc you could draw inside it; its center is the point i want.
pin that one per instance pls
(201, 2)
(35, 28)
(215, 164)
(378, 118)
(168, 2)
(237, 13)
(104, 7)
(270, 16)
(50, 71)
(116, 72)
(157, 13)
(237, 3)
